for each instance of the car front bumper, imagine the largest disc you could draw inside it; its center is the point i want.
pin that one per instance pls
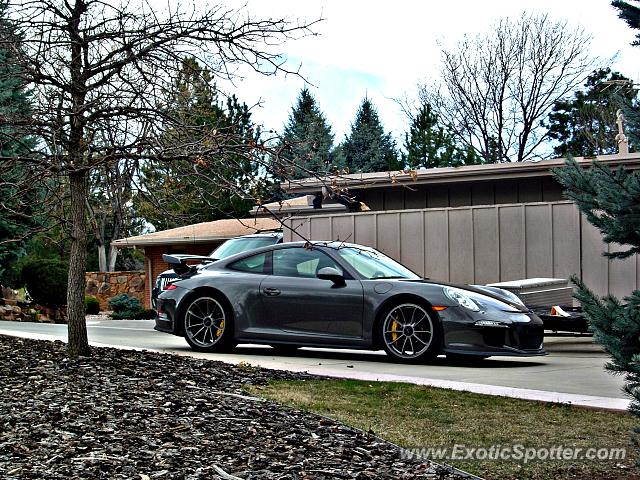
(495, 334)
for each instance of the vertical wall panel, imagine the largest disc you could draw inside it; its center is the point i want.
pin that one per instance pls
(486, 245)
(566, 240)
(512, 248)
(595, 272)
(366, 229)
(299, 226)
(538, 234)
(436, 244)
(320, 228)
(622, 274)
(389, 234)
(412, 241)
(342, 228)
(461, 245)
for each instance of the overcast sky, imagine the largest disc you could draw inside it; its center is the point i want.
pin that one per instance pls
(382, 49)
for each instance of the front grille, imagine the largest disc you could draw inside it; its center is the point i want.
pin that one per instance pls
(529, 337)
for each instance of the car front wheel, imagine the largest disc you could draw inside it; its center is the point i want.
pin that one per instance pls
(409, 333)
(208, 326)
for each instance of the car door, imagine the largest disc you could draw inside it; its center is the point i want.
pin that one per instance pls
(297, 302)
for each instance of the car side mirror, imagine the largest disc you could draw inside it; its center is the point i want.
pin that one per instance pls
(330, 273)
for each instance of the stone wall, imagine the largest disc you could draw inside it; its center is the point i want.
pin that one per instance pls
(104, 285)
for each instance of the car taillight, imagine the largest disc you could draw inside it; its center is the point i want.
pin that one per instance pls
(170, 286)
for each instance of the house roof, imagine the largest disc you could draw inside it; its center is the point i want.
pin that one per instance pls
(201, 232)
(468, 173)
(302, 204)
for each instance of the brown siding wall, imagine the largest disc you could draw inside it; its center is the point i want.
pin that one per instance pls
(484, 244)
(461, 194)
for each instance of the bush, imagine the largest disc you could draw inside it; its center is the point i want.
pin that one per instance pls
(46, 281)
(91, 305)
(124, 306)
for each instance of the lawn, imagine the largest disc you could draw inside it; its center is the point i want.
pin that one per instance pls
(415, 416)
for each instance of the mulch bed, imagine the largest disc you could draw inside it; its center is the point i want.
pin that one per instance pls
(140, 415)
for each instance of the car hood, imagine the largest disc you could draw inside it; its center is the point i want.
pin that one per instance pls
(471, 288)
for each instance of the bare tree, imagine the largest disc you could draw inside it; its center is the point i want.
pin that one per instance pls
(100, 72)
(495, 89)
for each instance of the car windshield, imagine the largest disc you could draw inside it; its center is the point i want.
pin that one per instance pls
(372, 264)
(239, 245)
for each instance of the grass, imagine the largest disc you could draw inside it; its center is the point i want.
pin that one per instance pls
(415, 416)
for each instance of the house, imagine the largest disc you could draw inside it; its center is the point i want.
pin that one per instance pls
(203, 238)
(474, 224)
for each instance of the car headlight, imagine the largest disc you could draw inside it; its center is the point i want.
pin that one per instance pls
(461, 298)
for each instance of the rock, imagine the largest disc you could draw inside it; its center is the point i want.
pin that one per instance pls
(122, 279)
(10, 301)
(104, 289)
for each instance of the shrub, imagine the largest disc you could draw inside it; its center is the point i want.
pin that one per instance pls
(91, 305)
(124, 306)
(46, 281)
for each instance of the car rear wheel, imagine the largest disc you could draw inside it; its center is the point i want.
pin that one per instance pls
(208, 325)
(409, 332)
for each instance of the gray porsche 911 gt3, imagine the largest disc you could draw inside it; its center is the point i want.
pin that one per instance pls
(341, 295)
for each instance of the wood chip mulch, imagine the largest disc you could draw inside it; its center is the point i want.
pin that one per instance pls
(139, 415)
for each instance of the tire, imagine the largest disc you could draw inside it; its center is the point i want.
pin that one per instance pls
(409, 333)
(208, 324)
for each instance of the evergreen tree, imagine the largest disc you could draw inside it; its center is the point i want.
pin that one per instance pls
(307, 139)
(176, 196)
(629, 13)
(17, 208)
(429, 145)
(368, 148)
(611, 201)
(586, 124)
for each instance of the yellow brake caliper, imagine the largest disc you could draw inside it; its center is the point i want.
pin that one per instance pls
(220, 329)
(394, 334)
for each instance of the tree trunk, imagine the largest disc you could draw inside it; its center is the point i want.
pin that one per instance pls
(78, 341)
(102, 259)
(113, 255)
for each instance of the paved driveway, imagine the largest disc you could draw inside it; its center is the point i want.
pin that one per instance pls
(572, 372)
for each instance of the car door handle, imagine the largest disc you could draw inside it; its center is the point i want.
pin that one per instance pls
(272, 292)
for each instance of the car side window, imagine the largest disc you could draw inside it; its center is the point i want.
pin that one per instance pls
(300, 262)
(252, 264)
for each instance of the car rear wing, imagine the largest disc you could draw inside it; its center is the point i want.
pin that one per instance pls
(178, 262)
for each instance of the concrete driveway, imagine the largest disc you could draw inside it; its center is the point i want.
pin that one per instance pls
(573, 372)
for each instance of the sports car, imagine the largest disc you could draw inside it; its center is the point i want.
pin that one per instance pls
(341, 295)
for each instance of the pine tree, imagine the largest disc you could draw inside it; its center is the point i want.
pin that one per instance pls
(176, 196)
(630, 14)
(610, 199)
(16, 208)
(368, 148)
(429, 145)
(586, 124)
(307, 139)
